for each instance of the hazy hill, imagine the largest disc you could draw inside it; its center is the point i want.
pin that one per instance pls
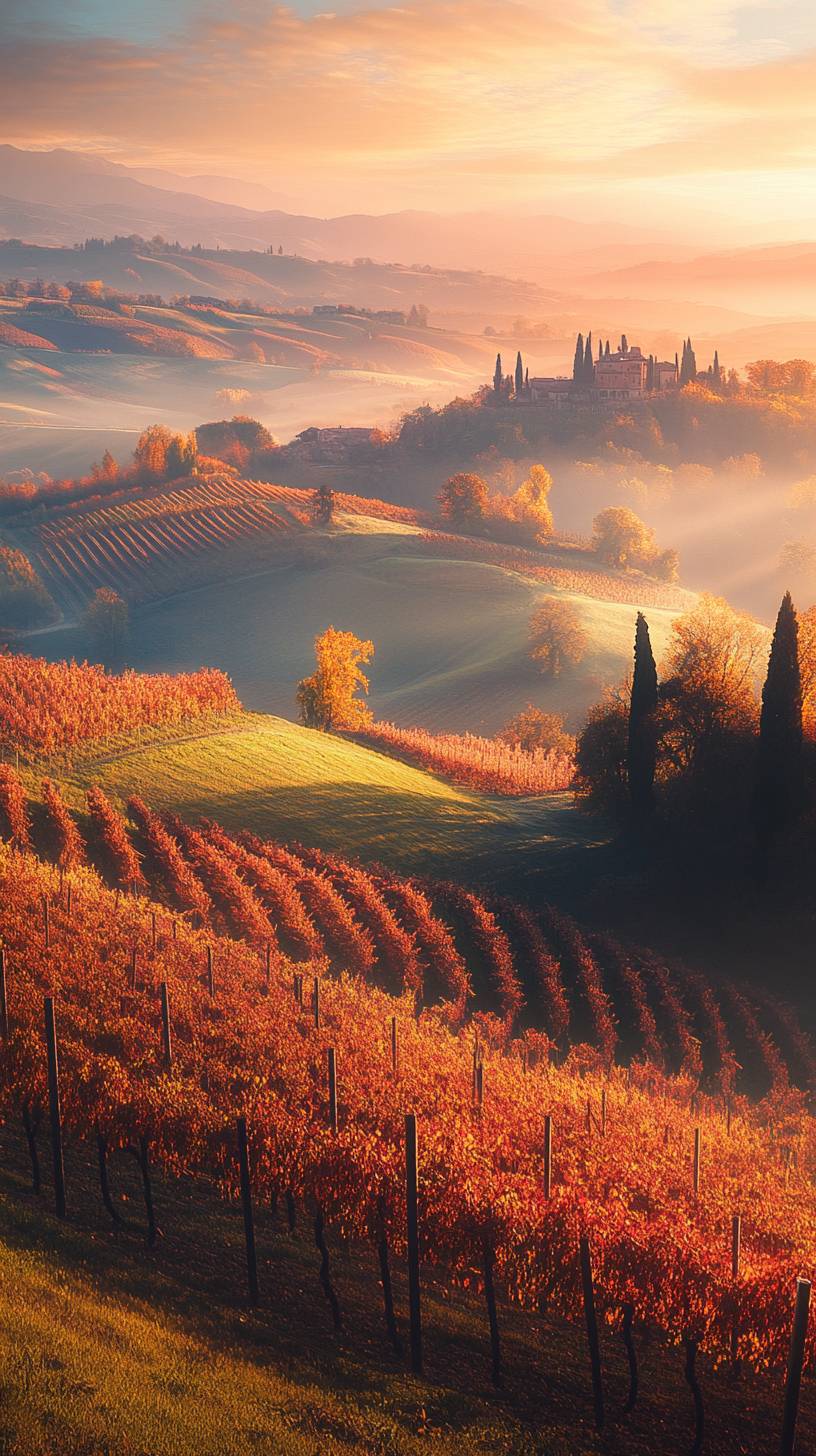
(767, 279)
(61, 196)
(232, 575)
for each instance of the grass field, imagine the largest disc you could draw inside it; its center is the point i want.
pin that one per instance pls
(288, 782)
(450, 635)
(107, 1349)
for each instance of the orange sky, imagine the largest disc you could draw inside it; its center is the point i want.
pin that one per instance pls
(661, 107)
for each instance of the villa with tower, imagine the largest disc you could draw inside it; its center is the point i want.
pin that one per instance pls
(621, 375)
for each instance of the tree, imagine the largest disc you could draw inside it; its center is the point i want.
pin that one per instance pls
(807, 670)
(322, 505)
(519, 379)
(182, 454)
(530, 503)
(641, 750)
(162, 455)
(621, 538)
(589, 367)
(463, 500)
(106, 621)
(557, 639)
(327, 699)
(578, 362)
(498, 376)
(778, 787)
(108, 470)
(709, 678)
(688, 367)
(533, 730)
(601, 751)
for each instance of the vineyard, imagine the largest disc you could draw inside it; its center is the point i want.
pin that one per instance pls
(467, 1152)
(147, 543)
(458, 953)
(150, 543)
(485, 764)
(50, 707)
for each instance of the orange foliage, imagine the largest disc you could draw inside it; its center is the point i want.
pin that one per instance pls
(655, 1243)
(487, 764)
(46, 707)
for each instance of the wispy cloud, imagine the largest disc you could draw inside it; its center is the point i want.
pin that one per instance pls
(485, 95)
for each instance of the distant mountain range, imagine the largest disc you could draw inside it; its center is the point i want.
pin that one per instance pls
(63, 197)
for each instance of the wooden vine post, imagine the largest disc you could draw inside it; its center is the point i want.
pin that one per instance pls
(593, 1338)
(548, 1150)
(332, 1068)
(249, 1219)
(167, 1037)
(411, 1191)
(54, 1109)
(796, 1360)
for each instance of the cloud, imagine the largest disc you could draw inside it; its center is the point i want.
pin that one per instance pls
(473, 91)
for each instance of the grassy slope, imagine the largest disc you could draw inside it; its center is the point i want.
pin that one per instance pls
(105, 1348)
(290, 782)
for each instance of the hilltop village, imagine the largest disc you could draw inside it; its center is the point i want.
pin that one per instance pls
(625, 373)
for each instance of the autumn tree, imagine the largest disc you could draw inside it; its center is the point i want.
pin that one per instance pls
(463, 500)
(807, 670)
(557, 638)
(641, 749)
(328, 699)
(708, 697)
(620, 538)
(601, 753)
(530, 503)
(534, 730)
(162, 455)
(106, 621)
(778, 788)
(322, 505)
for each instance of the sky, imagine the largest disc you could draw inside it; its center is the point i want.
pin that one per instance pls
(678, 111)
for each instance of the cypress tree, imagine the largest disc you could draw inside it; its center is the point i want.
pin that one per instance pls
(778, 787)
(497, 375)
(578, 363)
(527, 378)
(607, 350)
(641, 747)
(589, 367)
(519, 373)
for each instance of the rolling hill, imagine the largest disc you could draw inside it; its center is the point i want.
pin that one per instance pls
(271, 776)
(228, 575)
